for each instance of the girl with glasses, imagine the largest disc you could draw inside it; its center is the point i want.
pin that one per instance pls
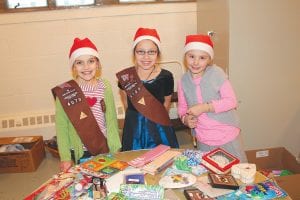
(146, 90)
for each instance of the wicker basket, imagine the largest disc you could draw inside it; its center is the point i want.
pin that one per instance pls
(53, 151)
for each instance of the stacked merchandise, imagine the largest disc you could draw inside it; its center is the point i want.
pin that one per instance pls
(84, 181)
(63, 186)
(152, 162)
(149, 156)
(263, 191)
(201, 175)
(102, 166)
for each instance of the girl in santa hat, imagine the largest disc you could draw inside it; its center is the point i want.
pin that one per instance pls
(86, 120)
(147, 89)
(206, 100)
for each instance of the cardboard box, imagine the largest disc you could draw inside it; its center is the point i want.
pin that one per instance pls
(22, 161)
(278, 158)
(290, 184)
(273, 158)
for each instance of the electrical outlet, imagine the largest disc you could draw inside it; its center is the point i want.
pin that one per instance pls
(173, 113)
(120, 110)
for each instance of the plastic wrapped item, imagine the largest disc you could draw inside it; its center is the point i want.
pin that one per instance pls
(190, 161)
(142, 192)
(263, 191)
(244, 172)
(11, 148)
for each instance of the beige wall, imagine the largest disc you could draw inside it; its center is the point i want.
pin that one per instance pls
(263, 59)
(264, 46)
(213, 15)
(34, 49)
(265, 71)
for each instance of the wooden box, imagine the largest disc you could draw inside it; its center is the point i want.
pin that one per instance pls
(26, 160)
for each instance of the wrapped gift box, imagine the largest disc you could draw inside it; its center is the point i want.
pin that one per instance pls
(219, 161)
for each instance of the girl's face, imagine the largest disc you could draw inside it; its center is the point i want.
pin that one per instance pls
(85, 67)
(197, 61)
(146, 54)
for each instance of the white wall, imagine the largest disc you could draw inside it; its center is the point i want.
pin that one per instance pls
(34, 48)
(264, 69)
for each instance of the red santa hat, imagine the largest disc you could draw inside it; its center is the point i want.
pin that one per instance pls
(146, 34)
(199, 42)
(82, 47)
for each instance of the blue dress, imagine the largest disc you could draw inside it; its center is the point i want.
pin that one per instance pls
(142, 133)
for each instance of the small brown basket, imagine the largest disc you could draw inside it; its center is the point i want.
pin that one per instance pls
(52, 150)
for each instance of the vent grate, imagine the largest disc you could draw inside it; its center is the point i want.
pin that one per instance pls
(29, 121)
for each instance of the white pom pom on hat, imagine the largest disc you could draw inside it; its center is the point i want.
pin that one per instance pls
(146, 34)
(199, 42)
(82, 47)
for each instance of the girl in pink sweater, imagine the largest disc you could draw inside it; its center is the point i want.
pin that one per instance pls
(206, 100)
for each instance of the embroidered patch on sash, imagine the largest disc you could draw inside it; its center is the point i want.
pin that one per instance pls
(64, 85)
(71, 96)
(91, 101)
(125, 77)
(103, 107)
(82, 115)
(142, 101)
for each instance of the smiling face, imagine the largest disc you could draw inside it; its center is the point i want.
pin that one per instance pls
(146, 54)
(197, 61)
(85, 68)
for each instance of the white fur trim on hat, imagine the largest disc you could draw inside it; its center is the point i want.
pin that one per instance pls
(147, 37)
(82, 51)
(200, 46)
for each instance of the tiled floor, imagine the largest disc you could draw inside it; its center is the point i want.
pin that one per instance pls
(16, 186)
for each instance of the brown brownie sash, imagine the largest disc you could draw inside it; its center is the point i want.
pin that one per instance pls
(81, 116)
(141, 98)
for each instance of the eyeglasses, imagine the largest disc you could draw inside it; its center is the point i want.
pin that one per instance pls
(143, 52)
(81, 63)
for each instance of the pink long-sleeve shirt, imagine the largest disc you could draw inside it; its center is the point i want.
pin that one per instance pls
(210, 131)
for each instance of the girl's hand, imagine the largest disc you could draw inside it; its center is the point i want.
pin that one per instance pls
(198, 109)
(65, 165)
(190, 121)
